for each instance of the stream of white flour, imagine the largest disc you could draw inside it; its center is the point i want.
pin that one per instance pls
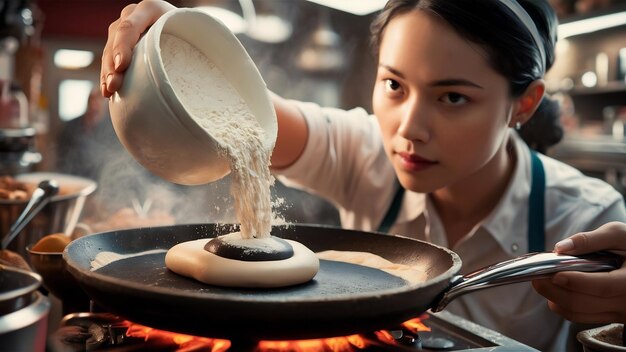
(216, 106)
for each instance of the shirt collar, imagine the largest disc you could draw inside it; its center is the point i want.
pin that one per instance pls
(413, 205)
(508, 222)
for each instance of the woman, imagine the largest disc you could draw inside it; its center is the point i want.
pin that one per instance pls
(439, 161)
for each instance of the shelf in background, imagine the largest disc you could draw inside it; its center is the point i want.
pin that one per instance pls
(611, 87)
(600, 151)
(598, 156)
(619, 7)
(596, 143)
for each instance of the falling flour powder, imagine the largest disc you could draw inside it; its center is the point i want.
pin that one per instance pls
(219, 109)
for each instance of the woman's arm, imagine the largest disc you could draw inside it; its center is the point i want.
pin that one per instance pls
(293, 133)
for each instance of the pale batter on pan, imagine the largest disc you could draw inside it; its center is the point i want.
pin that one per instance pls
(409, 273)
(192, 260)
(217, 107)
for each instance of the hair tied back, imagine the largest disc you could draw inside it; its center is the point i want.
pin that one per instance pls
(519, 11)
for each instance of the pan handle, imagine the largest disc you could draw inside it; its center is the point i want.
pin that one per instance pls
(526, 268)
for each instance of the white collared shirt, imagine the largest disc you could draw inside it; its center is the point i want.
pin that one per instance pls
(344, 161)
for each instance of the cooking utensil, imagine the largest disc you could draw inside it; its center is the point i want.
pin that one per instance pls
(57, 280)
(40, 197)
(23, 311)
(16, 288)
(341, 299)
(60, 215)
(19, 154)
(603, 339)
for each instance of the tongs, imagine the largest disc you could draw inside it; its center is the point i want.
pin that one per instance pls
(41, 196)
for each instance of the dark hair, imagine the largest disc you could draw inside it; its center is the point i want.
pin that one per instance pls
(509, 45)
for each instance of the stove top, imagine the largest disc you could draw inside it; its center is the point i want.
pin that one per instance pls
(430, 332)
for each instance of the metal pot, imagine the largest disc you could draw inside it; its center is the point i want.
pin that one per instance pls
(23, 311)
(59, 215)
(58, 281)
(608, 338)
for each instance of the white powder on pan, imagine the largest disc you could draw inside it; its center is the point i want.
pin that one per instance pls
(105, 258)
(219, 109)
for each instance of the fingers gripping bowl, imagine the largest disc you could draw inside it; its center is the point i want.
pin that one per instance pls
(157, 128)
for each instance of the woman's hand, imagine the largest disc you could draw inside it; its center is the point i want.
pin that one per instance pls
(124, 34)
(589, 297)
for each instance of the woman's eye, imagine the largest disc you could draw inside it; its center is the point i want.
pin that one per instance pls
(454, 99)
(392, 85)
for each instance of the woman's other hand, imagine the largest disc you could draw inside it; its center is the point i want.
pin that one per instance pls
(589, 297)
(124, 34)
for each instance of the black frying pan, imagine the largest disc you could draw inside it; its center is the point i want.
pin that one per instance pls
(342, 299)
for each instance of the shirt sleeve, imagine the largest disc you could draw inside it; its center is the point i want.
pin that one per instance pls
(343, 160)
(615, 211)
(582, 204)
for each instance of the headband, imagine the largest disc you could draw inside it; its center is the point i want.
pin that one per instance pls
(523, 16)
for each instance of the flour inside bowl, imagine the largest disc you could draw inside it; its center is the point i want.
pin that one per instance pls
(218, 108)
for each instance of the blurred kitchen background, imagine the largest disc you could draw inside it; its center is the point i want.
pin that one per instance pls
(312, 50)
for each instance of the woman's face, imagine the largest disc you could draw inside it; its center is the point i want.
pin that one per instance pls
(443, 111)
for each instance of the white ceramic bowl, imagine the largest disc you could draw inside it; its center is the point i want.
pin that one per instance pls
(153, 124)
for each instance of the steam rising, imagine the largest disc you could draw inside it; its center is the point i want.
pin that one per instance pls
(121, 181)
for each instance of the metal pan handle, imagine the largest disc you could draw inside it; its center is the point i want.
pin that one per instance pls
(526, 268)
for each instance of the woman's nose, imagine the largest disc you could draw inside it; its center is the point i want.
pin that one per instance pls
(414, 124)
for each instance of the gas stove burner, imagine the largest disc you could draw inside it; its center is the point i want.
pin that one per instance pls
(422, 340)
(437, 343)
(431, 332)
(91, 330)
(406, 338)
(101, 332)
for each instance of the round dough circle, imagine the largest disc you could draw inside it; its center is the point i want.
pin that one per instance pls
(192, 260)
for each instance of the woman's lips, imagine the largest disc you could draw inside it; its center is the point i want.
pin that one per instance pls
(412, 162)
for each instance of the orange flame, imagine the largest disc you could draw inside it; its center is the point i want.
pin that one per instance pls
(385, 336)
(417, 324)
(184, 342)
(334, 344)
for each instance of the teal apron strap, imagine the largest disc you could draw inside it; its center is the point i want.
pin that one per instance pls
(536, 206)
(394, 209)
